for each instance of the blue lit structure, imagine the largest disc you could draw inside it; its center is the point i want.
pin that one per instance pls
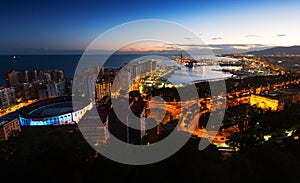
(55, 111)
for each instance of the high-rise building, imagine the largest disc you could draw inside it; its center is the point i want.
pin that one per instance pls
(32, 76)
(125, 80)
(51, 90)
(90, 89)
(34, 90)
(23, 77)
(7, 97)
(134, 69)
(154, 64)
(37, 84)
(60, 88)
(56, 75)
(42, 91)
(12, 78)
(68, 86)
(148, 65)
(141, 68)
(103, 89)
(23, 91)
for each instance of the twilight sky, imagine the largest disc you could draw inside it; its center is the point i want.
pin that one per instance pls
(72, 25)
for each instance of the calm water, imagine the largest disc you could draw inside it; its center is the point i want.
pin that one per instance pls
(68, 64)
(198, 73)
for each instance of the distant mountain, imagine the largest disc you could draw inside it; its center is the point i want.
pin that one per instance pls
(293, 50)
(198, 49)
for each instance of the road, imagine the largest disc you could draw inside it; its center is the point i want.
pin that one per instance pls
(16, 107)
(213, 136)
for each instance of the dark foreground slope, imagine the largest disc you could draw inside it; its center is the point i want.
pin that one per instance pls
(60, 154)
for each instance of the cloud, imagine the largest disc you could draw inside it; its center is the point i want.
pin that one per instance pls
(174, 44)
(187, 38)
(170, 47)
(252, 35)
(281, 35)
(216, 38)
(247, 47)
(237, 48)
(217, 46)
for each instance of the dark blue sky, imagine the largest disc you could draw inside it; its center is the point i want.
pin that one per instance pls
(50, 24)
(74, 24)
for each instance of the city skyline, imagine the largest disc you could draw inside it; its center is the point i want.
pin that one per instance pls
(60, 27)
(198, 90)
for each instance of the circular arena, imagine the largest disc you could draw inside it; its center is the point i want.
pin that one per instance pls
(54, 111)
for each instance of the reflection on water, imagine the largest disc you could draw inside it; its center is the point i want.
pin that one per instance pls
(198, 73)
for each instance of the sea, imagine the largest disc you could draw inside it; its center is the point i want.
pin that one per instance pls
(68, 64)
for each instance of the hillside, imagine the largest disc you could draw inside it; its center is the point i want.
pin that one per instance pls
(293, 50)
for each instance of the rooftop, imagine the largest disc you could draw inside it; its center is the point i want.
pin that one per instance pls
(51, 107)
(2, 123)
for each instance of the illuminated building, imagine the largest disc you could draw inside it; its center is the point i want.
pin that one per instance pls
(125, 80)
(134, 69)
(154, 64)
(14, 78)
(275, 101)
(26, 91)
(51, 90)
(141, 68)
(42, 92)
(7, 97)
(267, 102)
(91, 82)
(103, 89)
(55, 111)
(7, 128)
(37, 84)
